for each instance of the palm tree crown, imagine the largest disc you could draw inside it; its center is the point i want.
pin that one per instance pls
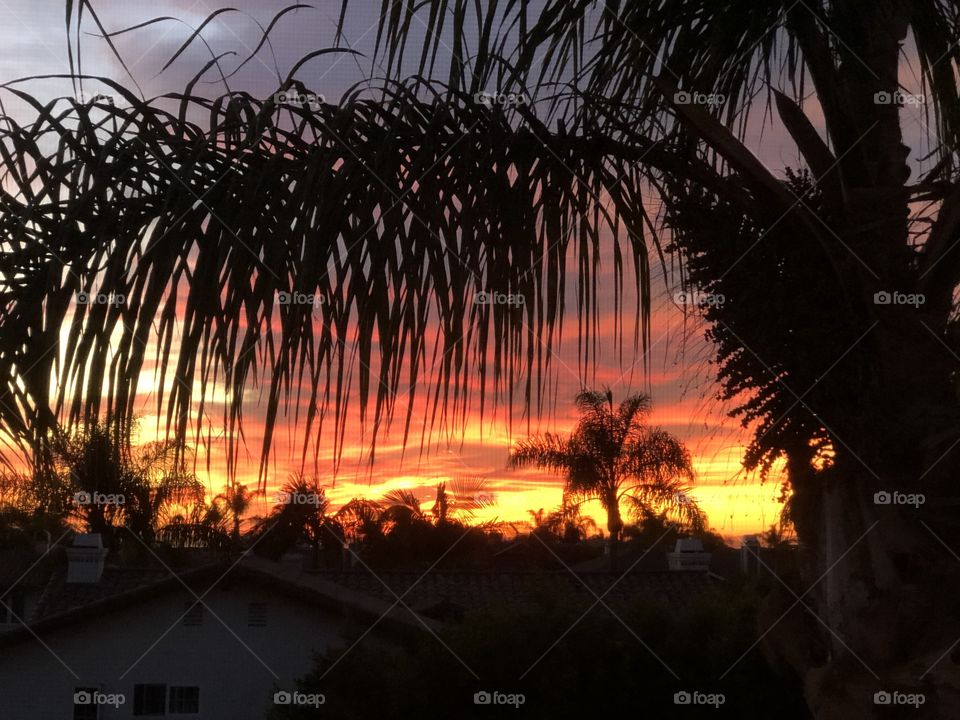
(612, 454)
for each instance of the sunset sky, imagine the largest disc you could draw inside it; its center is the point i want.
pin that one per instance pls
(677, 371)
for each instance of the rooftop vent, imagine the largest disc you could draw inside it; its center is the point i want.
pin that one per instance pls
(85, 559)
(688, 556)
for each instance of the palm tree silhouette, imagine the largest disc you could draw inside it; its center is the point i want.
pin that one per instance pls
(610, 455)
(151, 482)
(566, 523)
(301, 514)
(236, 499)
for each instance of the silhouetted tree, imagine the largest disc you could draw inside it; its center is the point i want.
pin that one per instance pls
(235, 501)
(566, 523)
(301, 514)
(611, 454)
(112, 483)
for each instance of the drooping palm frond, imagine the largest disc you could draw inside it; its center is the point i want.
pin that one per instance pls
(739, 53)
(546, 452)
(492, 179)
(652, 455)
(204, 532)
(392, 218)
(460, 499)
(671, 498)
(594, 401)
(402, 504)
(361, 519)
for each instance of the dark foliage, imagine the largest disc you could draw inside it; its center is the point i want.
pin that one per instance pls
(597, 666)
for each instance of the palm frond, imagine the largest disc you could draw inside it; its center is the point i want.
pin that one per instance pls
(415, 196)
(405, 499)
(672, 499)
(547, 452)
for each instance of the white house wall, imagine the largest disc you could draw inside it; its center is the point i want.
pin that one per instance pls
(235, 681)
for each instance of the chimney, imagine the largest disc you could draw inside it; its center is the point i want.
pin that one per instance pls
(85, 559)
(688, 556)
(749, 555)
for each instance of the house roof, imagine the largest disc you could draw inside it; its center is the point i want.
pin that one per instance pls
(59, 596)
(62, 603)
(433, 597)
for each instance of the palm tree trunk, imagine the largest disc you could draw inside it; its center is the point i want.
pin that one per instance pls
(880, 576)
(615, 527)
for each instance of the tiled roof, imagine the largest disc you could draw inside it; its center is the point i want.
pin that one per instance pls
(59, 596)
(437, 595)
(63, 603)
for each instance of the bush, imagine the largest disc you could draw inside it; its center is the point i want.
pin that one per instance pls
(564, 668)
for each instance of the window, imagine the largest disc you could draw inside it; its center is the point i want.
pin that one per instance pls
(184, 700)
(83, 706)
(193, 614)
(12, 607)
(149, 699)
(257, 615)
